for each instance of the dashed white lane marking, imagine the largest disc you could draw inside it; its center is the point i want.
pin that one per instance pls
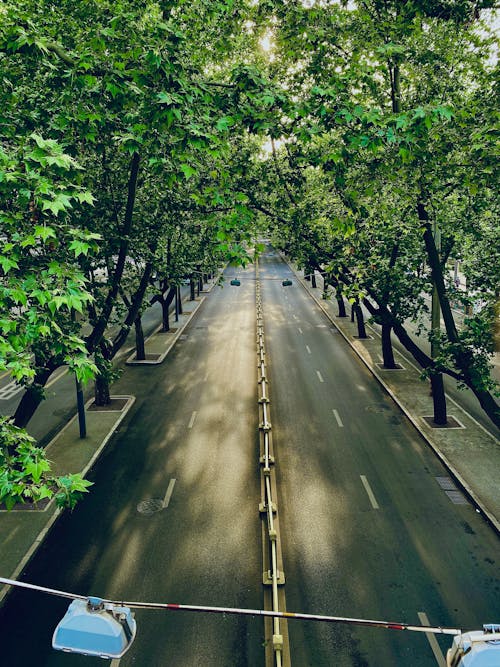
(206, 376)
(169, 492)
(337, 417)
(438, 654)
(299, 330)
(370, 493)
(308, 349)
(191, 421)
(295, 317)
(320, 377)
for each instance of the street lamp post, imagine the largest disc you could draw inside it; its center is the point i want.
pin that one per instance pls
(81, 409)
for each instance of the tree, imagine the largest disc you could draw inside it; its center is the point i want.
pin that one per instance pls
(377, 112)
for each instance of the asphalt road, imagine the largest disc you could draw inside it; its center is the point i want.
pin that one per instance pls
(195, 422)
(367, 530)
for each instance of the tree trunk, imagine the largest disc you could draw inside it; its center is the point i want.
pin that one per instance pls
(439, 399)
(165, 309)
(32, 397)
(165, 316)
(95, 337)
(179, 300)
(140, 349)
(191, 289)
(360, 320)
(132, 314)
(101, 391)
(341, 305)
(313, 279)
(387, 350)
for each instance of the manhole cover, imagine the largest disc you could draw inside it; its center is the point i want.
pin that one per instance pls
(150, 506)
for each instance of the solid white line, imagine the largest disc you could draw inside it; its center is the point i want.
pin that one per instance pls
(337, 417)
(295, 317)
(300, 330)
(115, 662)
(308, 349)
(369, 491)
(168, 495)
(56, 378)
(438, 654)
(320, 377)
(191, 421)
(206, 376)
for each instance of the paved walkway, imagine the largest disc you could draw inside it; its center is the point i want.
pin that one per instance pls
(23, 530)
(470, 452)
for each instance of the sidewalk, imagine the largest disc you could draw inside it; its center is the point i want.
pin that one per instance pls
(23, 530)
(471, 454)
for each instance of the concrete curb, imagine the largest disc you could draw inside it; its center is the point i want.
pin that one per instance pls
(444, 460)
(132, 361)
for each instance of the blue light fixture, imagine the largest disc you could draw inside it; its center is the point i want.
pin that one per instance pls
(93, 627)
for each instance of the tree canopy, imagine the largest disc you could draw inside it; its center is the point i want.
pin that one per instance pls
(146, 142)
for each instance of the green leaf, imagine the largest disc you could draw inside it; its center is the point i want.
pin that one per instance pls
(60, 203)
(85, 197)
(224, 123)
(188, 171)
(44, 232)
(80, 247)
(37, 468)
(8, 264)
(165, 98)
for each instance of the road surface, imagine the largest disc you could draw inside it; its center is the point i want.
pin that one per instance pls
(195, 422)
(367, 529)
